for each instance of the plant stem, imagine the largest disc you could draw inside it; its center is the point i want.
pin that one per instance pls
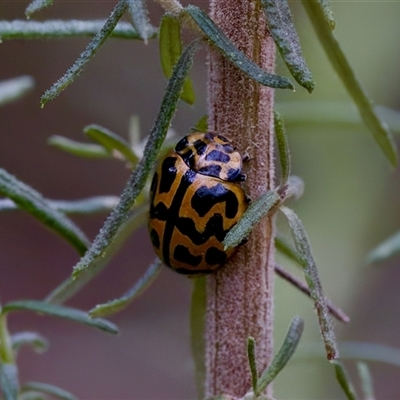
(240, 295)
(6, 352)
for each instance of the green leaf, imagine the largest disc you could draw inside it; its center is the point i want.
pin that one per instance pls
(38, 342)
(37, 5)
(281, 27)
(284, 247)
(371, 352)
(90, 51)
(344, 380)
(85, 206)
(311, 274)
(170, 50)
(13, 89)
(284, 354)
(256, 211)
(111, 141)
(87, 150)
(337, 112)
(201, 125)
(343, 68)
(73, 314)
(53, 29)
(232, 53)
(32, 202)
(48, 389)
(251, 356)
(170, 43)
(197, 331)
(366, 381)
(283, 147)
(117, 305)
(387, 249)
(71, 286)
(139, 176)
(32, 395)
(9, 381)
(328, 12)
(140, 19)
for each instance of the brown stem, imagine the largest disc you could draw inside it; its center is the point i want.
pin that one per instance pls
(240, 295)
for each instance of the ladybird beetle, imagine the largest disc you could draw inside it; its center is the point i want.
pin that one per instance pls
(195, 199)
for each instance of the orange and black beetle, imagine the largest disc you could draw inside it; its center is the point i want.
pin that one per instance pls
(195, 200)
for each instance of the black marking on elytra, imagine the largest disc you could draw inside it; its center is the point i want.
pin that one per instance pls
(222, 138)
(206, 197)
(209, 136)
(155, 239)
(215, 256)
(234, 175)
(182, 144)
(188, 158)
(200, 146)
(216, 155)
(159, 211)
(172, 213)
(214, 227)
(153, 186)
(182, 254)
(168, 174)
(210, 170)
(228, 148)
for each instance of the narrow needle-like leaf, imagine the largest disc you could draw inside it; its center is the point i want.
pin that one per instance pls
(281, 27)
(230, 51)
(37, 5)
(86, 150)
(170, 45)
(48, 389)
(85, 206)
(56, 310)
(139, 176)
(387, 249)
(256, 211)
(201, 125)
(38, 342)
(9, 380)
(284, 354)
(53, 29)
(140, 19)
(344, 380)
(33, 202)
(343, 68)
(283, 147)
(111, 141)
(366, 381)
(13, 89)
(311, 274)
(90, 51)
(251, 355)
(371, 352)
(328, 12)
(71, 286)
(117, 305)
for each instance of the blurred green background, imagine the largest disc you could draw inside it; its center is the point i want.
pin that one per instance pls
(350, 204)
